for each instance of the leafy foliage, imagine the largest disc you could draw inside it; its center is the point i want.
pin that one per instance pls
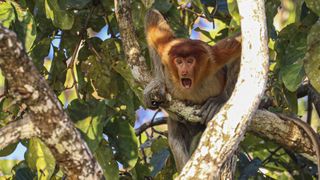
(87, 70)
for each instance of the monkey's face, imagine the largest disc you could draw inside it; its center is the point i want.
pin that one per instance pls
(185, 67)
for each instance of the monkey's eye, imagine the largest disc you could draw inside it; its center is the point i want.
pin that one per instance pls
(190, 60)
(178, 60)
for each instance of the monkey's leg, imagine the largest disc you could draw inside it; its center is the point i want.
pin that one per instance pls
(183, 139)
(179, 142)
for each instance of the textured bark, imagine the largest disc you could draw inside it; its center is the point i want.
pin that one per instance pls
(226, 130)
(284, 132)
(16, 130)
(266, 125)
(51, 124)
(130, 43)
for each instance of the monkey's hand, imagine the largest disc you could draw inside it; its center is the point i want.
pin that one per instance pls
(154, 94)
(211, 107)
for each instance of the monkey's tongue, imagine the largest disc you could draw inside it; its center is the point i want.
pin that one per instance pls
(186, 82)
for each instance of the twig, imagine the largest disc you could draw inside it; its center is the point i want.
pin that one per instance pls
(191, 11)
(145, 126)
(76, 51)
(267, 159)
(142, 151)
(309, 108)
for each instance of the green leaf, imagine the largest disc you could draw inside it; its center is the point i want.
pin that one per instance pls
(291, 100)
(158, 161)
(162, 5)
(25, 27)
(122, 68)
(252, 169)
(169, 170)
(58, 71)
(107, 4)
(233, 10)
(312, 58)
(291, 47)
(40, 159)
(6, 14)
(140, 171)
(73, 4)
(271, 10)
(89, 119)
(39, 52)
(60, 18)
(8, 150)
(100, 75)
(121, 136)
(159, 145)
(292, 76)
(23, 172)
(109, 165)
(314, 5)
(204, 32)
(6, 166)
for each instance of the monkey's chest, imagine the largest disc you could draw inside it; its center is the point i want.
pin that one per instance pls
(198, 95)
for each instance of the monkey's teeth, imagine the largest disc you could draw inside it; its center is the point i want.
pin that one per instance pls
(186, 82)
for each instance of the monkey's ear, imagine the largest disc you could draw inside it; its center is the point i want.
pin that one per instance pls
(158, 31)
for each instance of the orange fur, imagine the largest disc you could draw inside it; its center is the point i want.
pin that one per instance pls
(208, 78)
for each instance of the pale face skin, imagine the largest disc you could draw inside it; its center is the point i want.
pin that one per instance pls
(186, 68)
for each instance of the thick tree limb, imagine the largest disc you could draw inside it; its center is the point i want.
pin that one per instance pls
(267, 125)
(17, 130)
(51, 123)
(223, 134)
(130, 43)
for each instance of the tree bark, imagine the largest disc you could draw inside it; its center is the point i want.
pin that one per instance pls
(223, 134)
(45, 114)
(130, 43)
(266, 125)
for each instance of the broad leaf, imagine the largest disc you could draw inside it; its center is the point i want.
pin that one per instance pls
(292, 76)
(6, 14)
(121, 136)
(40, 159)
(60, 18)
(109, 165)
(314, 5)
(158, 161)
(291, 48)
(89, 118)
(312, 58)
(8, 150)
(23, 172)
(58, 71)
(39, 52)
(73, 4)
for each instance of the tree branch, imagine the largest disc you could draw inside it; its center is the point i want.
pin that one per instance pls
(223, 134)
(267, 125)
(147, 125)
(17, 130)
(52, 124)
(130, 43)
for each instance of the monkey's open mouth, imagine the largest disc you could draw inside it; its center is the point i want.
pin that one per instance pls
(186, 82)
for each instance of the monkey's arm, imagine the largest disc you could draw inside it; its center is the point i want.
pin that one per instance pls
(226, 51)
(158, 31)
